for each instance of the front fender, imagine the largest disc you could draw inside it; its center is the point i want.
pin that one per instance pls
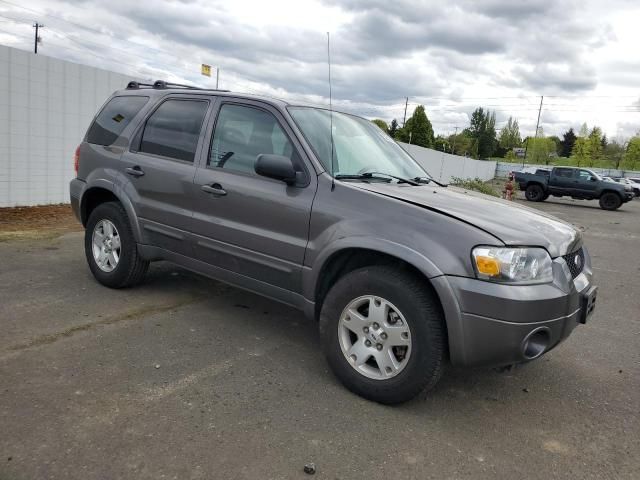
(311, 276)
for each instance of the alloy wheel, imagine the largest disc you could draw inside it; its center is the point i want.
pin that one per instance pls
(106, 246)
(375, 337)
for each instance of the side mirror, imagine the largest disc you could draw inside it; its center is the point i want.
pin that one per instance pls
(276, 167)
(593, 179)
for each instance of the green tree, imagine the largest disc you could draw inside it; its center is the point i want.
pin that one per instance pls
(541, 149)
(614, 152)
(418, 129)
(482, 130)
(441, 144)
(557, 142)
(510, 135)
(461, 144)
(580, 153)
(568, 139)
(595, 147)
(631, 159)
(393, 128)
(382, 124)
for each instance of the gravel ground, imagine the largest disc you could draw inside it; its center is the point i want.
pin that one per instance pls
(184, 377)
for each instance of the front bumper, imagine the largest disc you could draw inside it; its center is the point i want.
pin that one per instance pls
(494, 324)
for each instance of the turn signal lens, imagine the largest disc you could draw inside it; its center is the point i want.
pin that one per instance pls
(515, 265)
(488, 266)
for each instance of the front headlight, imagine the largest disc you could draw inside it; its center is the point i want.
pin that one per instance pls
(512, 265)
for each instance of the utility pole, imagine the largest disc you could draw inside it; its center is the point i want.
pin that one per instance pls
(526, 147)
(37, 39)
(453, 147)
(406, 103)
(217, 76)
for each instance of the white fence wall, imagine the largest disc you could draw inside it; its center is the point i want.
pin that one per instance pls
(445, 166)
(46, 105)
(503, 168)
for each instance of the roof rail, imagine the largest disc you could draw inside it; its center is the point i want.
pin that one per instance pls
(161, 84)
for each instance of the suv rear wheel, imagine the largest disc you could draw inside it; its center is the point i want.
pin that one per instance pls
(110, 248)
(382, 333)
(610, 201)
(534, 193)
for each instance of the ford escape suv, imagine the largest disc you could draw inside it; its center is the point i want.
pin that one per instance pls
(323, 211)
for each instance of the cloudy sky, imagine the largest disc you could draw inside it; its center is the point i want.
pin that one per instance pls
(451, 56)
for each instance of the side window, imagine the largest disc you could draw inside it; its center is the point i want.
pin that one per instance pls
(174, 128)
(242, 133)
(113, 119)
(584, 175)
(564, 172)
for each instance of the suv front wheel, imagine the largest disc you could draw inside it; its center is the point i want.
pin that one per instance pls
(382, 333)
(111, 249)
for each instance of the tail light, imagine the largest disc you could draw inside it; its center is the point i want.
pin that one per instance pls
(76, 160)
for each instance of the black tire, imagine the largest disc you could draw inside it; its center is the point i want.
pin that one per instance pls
(534, 193)
(425, 319)
(130, 268)
(610, 201)
(544, 197)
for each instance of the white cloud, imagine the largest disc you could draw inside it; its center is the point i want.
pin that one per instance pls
(451, 56)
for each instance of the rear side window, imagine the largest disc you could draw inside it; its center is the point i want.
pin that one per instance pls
(113, 119)
(564, 172)
(174, 129)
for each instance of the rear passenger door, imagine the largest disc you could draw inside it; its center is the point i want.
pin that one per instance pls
(562, 181)
(158, 169)
(244, 223)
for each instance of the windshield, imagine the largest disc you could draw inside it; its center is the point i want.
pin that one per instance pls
(359, 145)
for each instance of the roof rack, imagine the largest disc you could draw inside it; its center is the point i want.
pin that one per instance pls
(161, 85)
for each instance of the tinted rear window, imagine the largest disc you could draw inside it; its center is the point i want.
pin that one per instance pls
(174, 129)
(564, 172)
(113, 119)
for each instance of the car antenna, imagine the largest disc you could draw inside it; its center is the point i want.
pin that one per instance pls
(333, 180)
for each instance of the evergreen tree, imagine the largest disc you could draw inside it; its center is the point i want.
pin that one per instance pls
(483, 131)
(568, 139)
(418, 129)
(393, 128)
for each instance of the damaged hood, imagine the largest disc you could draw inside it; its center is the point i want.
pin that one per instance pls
(510, 222)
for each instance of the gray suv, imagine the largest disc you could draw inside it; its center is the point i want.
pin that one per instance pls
(323, 211)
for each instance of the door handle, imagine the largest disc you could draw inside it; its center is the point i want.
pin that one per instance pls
(215, 189)
(135, 171)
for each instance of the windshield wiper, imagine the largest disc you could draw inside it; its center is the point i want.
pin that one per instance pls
(429, 180)
(374, 176)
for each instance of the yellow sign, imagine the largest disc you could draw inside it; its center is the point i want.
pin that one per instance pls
(206, 70)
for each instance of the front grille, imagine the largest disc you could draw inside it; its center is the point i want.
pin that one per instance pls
(575, 262)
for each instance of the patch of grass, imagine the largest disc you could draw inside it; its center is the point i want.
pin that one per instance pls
(475, 184)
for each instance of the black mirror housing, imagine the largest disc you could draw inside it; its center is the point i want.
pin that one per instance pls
(277, 167)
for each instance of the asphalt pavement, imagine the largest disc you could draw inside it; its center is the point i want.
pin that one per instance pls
(186, 378)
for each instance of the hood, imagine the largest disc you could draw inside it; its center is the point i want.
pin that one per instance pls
(509, 222)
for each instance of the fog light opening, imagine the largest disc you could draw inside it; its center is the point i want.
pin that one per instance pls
(536, 343)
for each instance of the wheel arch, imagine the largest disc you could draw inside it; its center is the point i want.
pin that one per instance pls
(105, 192)
(608, 190)
(353, 255)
